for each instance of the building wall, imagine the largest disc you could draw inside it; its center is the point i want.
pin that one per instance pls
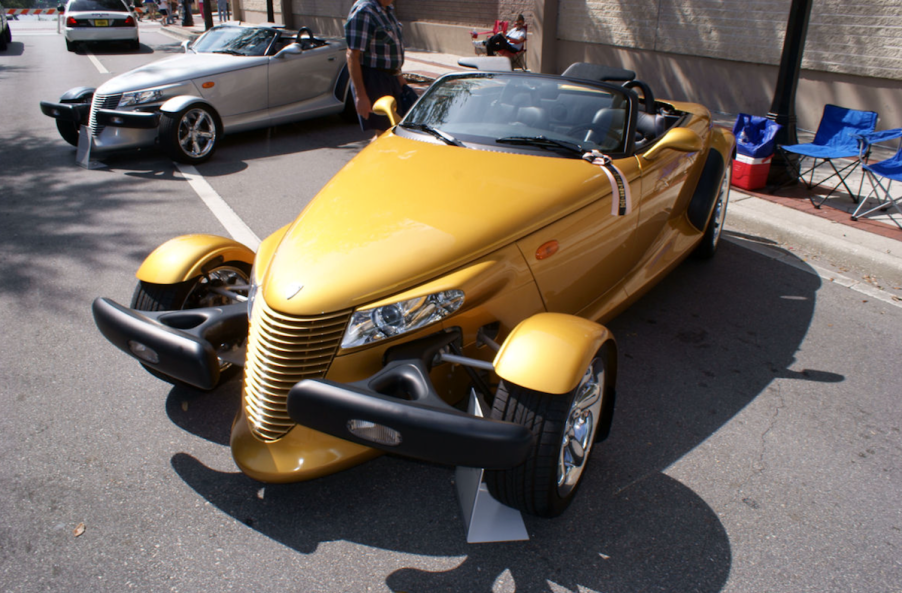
(723, 53)
(863, 38)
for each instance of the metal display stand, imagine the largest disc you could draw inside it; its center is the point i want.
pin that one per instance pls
(486, 519)
(83, 153)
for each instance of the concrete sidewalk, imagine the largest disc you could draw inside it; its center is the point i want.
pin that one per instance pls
(784, 216)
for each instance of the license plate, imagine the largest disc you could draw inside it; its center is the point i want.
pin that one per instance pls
(102, 23)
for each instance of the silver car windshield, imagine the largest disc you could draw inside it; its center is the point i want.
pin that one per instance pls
(239, 41)
(530, 112)
(97, 5)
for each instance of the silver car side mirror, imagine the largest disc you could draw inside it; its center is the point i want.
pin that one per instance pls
(290, 50)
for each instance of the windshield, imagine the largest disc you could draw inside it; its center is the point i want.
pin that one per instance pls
(102, 5)
(536, 112)
(240, 41)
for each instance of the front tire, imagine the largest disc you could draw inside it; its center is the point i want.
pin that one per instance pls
(192, 294)
(565, 429)
(713, 231)
(69, 130)
(191, 135)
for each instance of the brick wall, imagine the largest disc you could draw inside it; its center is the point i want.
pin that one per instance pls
(863, 39)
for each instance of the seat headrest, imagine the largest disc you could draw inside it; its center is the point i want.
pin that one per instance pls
(597, 72)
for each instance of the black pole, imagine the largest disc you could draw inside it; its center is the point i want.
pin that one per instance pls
(782, 110)
(208, 14)
(270, 14)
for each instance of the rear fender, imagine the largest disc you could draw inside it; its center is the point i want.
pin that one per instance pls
(718, 159)
(549, 352)
(186, 257)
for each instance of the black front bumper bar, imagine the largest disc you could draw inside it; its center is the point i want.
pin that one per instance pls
(401, 398)
(178, 344)
(79, 113)
(74, 112)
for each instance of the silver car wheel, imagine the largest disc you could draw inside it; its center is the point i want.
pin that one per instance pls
(579, 430)
(197, 133)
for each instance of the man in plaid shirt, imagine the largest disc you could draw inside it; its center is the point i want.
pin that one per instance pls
(375, 56)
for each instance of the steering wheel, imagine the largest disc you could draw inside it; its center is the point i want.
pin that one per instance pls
(648, 99)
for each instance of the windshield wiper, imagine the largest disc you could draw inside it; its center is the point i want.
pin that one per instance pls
(443, 136)
(543, 142)
(231, 52)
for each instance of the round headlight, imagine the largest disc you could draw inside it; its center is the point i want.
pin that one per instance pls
(389, 319)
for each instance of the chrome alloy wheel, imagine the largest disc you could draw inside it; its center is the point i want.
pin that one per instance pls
(197, 133)
(579, 430)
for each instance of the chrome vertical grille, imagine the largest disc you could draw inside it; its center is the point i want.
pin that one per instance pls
(282, 350)
(101, 102)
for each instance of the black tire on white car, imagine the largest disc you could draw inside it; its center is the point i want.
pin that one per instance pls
(69, 130)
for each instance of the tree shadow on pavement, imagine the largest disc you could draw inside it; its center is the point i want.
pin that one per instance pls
(694, 352)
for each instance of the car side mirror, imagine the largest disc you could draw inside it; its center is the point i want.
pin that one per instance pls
(680, 139)
(289, 50)
(388, 107)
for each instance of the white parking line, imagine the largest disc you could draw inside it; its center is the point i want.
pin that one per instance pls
(96, 63)
(222, 211)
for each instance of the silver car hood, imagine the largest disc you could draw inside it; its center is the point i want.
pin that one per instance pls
(176, 69)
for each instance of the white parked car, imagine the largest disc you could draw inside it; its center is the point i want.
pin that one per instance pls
(100, 20)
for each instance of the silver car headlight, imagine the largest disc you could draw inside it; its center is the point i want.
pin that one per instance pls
(377, 323)
(141, 97)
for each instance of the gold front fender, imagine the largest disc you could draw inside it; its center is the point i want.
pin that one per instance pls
(550, 352)
(185, 257)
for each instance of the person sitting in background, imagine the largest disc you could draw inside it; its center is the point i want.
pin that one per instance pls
(511, 41)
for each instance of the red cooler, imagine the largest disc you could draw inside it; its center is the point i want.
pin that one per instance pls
(750, 172)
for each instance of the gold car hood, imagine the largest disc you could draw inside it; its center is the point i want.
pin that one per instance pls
(404, 211)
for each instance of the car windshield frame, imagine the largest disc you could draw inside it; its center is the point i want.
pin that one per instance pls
(526, 113)
(97, 6)
(237, 41)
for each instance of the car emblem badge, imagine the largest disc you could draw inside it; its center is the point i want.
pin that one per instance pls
(293, 290)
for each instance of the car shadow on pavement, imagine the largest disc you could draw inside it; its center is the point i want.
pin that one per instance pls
(110, 48)
(694, 352)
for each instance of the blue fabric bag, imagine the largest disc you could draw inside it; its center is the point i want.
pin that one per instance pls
(755, 135)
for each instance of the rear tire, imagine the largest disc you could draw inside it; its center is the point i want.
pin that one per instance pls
(6, 38)
(70, 46)
(190, 294)
(349, 113)
(565, 428)
(711, 238)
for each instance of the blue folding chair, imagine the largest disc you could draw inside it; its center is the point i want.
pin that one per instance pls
(837, 137)
(888, 170)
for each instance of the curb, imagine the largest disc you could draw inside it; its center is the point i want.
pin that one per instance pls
(841, 244)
